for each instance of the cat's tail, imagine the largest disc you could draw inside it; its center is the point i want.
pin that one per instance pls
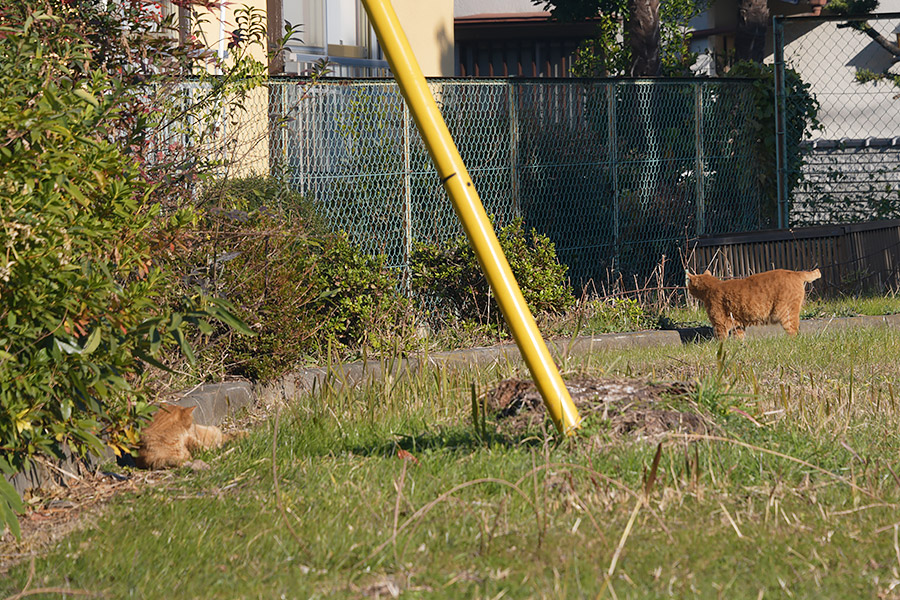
(811, 275)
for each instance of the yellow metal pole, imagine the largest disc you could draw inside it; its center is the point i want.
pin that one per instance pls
(471, 212)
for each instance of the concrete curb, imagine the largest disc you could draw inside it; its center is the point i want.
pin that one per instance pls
(216, 401)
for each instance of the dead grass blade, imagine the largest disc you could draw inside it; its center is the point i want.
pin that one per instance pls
(599, 475)
(650, 479)
(64, 591)
(399, 485)
(607, 579)
(794, 459)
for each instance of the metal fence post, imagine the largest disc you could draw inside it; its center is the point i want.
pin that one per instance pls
(407, 200)
(780, 125)
(698, 159)
(613, 165)
(514, 146)
(283, 159)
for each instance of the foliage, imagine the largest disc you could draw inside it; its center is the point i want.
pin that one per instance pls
(852, 7)
(869, 76)
(85, 302)
(801, 119)
(605, 55)
(303, 290)
(617, 314)
(602, 55)
(449, 279)
(10, 503)
(270, 195)
(183, 119)
(78, 286)
(575, 10)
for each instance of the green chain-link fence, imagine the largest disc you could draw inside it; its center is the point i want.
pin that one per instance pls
(616, 173)
(849, 169)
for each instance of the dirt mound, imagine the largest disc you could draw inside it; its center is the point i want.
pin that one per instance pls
(632, 408)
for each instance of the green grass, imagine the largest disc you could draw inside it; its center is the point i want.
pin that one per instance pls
(621, 315)
(799, 498)
(852, 307)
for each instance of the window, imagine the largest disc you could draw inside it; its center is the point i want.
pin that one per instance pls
(336, 29)
(333, 27)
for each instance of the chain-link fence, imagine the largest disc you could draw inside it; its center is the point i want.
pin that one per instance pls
(849, 168)
(616, 173)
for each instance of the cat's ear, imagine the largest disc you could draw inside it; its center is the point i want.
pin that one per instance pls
(706, 272)
(186, 419)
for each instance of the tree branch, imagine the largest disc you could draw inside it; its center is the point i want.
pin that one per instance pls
(879, 39)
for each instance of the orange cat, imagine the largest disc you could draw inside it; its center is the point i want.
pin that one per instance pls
(172, 435)
(770, 297)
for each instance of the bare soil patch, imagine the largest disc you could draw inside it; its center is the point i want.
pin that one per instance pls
(632, 408)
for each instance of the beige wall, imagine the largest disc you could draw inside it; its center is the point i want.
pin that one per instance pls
(243, 137)
(429, 27)
(211, 25)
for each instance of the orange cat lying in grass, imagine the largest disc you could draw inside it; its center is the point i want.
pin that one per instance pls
(172, 435)
(770, 297)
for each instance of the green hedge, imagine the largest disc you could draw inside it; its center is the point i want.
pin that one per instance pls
(447, 278)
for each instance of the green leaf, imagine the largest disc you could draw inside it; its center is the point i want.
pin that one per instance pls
(152, 361)
(9, 517)
(9, 494)
(77, 194)
(184, 345)
(5, 467)
(65, 409)
(221, 312)
(67, 347)
(87, 97)
(93, 341)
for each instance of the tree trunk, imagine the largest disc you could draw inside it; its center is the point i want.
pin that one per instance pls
(866, 28)
(274, 31)
(753, 23)
(642, 35)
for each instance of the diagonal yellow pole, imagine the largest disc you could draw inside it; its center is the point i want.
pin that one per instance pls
(471, 212)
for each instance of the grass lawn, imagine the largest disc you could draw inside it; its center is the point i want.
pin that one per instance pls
(390, 489)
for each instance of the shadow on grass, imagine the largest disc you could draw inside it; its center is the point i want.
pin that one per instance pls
(454, 439)
(695, 334)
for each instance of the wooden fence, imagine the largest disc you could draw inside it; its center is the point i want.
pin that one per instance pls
(852, 258)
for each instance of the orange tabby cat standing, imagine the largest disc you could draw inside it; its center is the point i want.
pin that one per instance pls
(171, 437)
(770, 297)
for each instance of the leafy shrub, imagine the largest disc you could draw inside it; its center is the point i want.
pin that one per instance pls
(302, 290)
(448, 279)
(79, 289)
(359, 302)
(270, 195)
(616, 314)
